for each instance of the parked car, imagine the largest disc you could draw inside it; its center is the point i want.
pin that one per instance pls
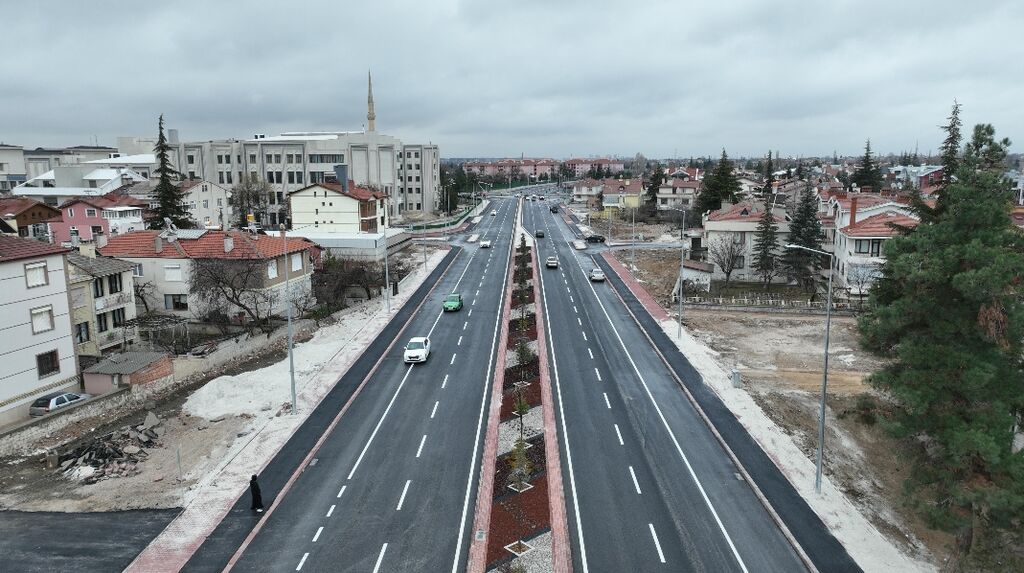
(485, 244)
(596, 275)
(494, 212)
(551, 263)
(541, 197)
(46, 404)
(417, 350)
(539, 233)
(595, 238)
(452, 302)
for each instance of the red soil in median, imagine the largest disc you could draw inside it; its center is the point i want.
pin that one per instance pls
(508, 401)
(516, 517)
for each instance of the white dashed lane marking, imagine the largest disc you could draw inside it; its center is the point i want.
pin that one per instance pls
(591, 353)
(302, 561)
(423, 440)
(619, 434)
(434, 411)
(342, 490)
(606, 402)
(317, 534)
(330, 511)
(405, 490)
(598, 372)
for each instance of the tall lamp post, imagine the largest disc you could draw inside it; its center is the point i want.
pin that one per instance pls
(288, 305)
(824, 376)
(682, 265)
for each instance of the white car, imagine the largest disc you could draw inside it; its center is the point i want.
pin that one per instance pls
(596, 275)
(485, 244)
(551, 263)
(494, 212)
(417, 350)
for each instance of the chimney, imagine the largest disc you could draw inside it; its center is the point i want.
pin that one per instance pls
(87, 250)
(341, 173)
(853, 210)
(158, 244)
(229, 243)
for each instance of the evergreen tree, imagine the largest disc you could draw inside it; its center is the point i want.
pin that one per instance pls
(766, 246)
(769, 168)
(868, 175)
(804, 230)
(950, 150)
(657, 178)
(800, 170)
(949, 313)
(718, 186)
(169, 199)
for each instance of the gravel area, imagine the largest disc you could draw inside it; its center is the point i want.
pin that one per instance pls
(508, 432)
(537, 561)
(512, 359)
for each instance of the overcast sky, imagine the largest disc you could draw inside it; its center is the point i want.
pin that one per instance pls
(508, 77)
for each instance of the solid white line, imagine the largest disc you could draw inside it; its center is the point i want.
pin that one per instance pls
(621, 443)
(480, 416)
(380, 557)
(434, 411)
(590, 352)
(598, 372)
(632, 474)
(379, 423)
(571, 299)
(459, 343)
(444, 382)
(342, 490)
(453, 359)
(606, 402)
(419, 450)
(657, 545)
(405, 490)
(302, 561)
(330, 511)
(318, 532)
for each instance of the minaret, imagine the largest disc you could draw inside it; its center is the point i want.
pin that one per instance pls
(370, 116)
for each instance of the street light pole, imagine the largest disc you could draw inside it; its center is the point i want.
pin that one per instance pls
(682, 265)
(824, 376)
(288, 303)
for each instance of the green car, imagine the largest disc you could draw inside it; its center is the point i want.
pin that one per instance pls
(453, 302)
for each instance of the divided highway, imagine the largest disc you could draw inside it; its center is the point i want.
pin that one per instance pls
(648, 487)
(393, 486)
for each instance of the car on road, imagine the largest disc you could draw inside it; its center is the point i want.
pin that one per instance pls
(596, 275)
(554, 208)
(417, 350)
(46, 404)
(485, 244)
(595, 238)
(452, 302)
(551, 263)
(539, 233)
(494, 212)
(541, 197)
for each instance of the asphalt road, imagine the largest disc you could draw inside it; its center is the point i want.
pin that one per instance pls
(648, 486)
(393, 486)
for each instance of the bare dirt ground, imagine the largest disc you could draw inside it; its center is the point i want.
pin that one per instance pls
(780, 357)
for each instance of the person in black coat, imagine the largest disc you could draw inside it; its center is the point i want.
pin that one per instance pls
(257, 497)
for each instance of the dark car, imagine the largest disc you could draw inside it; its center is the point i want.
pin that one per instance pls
(595, 238)
(554, 208)
(539, 234)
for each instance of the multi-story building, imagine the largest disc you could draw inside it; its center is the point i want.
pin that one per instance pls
(85, 220)
(164, 260)
(12, 167)
(208, 203)
(43, 159)
(860, 249)
(102, 292)
(339, 208)
(677, 194)
(83, 180)
(738, 224)
(37, 348)
(29, 217)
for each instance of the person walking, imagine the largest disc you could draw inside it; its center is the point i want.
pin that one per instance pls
(257, 497)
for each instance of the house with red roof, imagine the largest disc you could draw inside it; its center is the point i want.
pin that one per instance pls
(29, 217)
(677, 193)
(167, 260)
(860, 248)
(737, 224)
(83, 219)
(339, 208)
(38, 352)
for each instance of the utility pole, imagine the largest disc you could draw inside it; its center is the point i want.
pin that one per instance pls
(288, 303)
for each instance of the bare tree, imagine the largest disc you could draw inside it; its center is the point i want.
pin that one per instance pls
(727, 254)
(221, 284)
(859, 278)
(250, 195)
(145, 292)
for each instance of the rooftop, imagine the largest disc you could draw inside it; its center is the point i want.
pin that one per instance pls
(18, 205)
(99, 266)
(17, 248)
(137, 159)
(879, 226)
(124, 363)
(353, 190)
(210, 245)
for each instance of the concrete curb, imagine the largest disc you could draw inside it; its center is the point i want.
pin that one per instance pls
(154, 558)
(561, 554)
(647, 300)
(482, 516)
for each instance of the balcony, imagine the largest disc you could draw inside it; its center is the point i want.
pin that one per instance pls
(114, 300)
(115, 336)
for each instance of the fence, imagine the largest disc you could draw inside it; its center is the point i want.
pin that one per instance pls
(769, 303)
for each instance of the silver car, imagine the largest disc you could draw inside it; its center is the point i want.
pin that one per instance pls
(46, 404)
(596, 275)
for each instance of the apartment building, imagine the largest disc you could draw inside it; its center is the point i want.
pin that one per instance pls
(102, 293)
(738, 224)
(12, 167)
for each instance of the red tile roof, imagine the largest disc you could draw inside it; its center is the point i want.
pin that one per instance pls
(109, 200)
(354, 191)
(743, 211)
(881, 225)
(142, 244)
(17, 248)
(18, 205)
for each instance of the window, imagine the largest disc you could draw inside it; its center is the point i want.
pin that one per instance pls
(298, 177)
(191, 174)
(73, 231)
(137, 270)
(289, 158)
(220, 177)
(741, 262)
(117, 317)
(220, 201)
(277, 158)
(71, 212)
(47, 364)
(252, 158)
(272, 269)
(90, 212)
(102, 324)
(737, 238)
(42, 319)
(176, 301)
(297, 261)
(269, 158)
(291, 177)
(81, 332)
(114, 282)
(97, 288)
(227, 176)
(172, 273)
(191, 159)
(206, 203)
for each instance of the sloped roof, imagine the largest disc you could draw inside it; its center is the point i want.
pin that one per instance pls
(124, 363)
(354, 191)
(743, 211)
(878, 226)
(138, 159)
(17, 248)
(142, 244)
(98, 266)
(18, 205)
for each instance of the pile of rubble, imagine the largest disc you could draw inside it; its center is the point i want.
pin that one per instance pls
(112, 455)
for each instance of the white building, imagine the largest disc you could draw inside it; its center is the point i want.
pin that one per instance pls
(43, 159)
(860, 249)
(738, 224)
(102, 293)
(82, 180)
(677, 194)
(339, 208)
(208, 203)
(36, 344)
(12, 167)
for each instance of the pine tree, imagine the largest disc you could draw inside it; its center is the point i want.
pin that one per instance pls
(657, 177)
(766, 246)
(949, 313)
(169, 198)
(868, 175)
(804, 230)
(719, 185)
(769, 168)
(950, 150)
